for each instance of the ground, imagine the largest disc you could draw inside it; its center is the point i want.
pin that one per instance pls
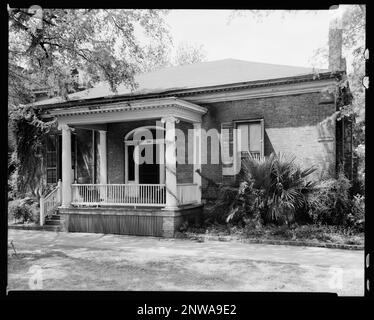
(310, 233)
(82, 261)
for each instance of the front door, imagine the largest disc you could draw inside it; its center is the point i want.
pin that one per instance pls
(149, 173)
(145, 173)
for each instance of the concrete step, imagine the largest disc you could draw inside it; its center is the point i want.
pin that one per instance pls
(52, 222)
(51, 228)
(55, 217)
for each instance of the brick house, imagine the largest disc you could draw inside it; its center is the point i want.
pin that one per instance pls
(272, 108)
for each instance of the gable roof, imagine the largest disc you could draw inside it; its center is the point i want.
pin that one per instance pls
(203, 74)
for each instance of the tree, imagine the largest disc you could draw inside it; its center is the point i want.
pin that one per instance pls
(157, 58)
(48, 46)
(188, 54)
(353, 20)
(45, 45)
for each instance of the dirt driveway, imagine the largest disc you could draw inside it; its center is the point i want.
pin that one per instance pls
(82, 261)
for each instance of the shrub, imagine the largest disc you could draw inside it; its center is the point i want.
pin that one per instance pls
(356, 217)
(280, 186)
(360, 152)
(23, 210)
(330, 202)
(270, 189)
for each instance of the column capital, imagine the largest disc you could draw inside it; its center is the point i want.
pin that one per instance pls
(169, 118)
(102, 131)
(65, 127)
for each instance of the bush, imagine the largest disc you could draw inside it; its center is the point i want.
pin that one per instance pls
(330, 202)
(234, 204)
(276, 190)
(280, 186)
(271, 189)
(23, 210)
(356, 217)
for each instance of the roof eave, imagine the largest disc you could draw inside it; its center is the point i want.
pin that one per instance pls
(192, 91)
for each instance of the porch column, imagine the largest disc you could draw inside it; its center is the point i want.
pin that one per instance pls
(170, 162)
(103, 157)
(161, 154)
(197, 159)
(66, 166)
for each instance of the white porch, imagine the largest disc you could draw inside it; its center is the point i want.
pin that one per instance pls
(153, 195)
(167, 194)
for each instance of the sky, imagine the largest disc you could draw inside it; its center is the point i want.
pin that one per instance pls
(290, 40)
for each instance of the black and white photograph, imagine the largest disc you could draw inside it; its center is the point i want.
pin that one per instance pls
(186, 150)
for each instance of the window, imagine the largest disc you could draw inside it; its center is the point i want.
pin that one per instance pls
(51, 159)
(131, 163)
(250, 138)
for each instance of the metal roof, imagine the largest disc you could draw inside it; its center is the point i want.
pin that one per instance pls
(199, 75)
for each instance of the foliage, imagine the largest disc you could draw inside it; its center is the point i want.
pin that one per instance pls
(234, 204)
(312, 233)
(26, 158)
(102, 44)
(188, 54)
(155, 58)
(360, 152)
(45, 45)
(308, 232)
(330, 203)
(23, 210)
(356, 217)
(276, 190)
(185, 54)
(353, 21)
(281, 185)
(272, 189)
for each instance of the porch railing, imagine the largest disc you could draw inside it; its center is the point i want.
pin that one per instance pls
(187, 193)
(119, 194)
(50, 202)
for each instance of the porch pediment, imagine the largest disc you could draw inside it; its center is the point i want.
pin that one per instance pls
(129, 111)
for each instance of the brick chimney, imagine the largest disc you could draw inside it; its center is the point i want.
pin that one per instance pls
(336, 60)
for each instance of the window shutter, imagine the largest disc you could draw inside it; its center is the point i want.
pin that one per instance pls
(227, 148)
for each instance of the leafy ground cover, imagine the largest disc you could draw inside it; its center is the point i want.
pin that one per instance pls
(305, 233)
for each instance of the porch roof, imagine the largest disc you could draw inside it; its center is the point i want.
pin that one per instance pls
(129, 111)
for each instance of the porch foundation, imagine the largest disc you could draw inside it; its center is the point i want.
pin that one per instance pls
(128, 220)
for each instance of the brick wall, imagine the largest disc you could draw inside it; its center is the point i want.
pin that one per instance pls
(295, 124)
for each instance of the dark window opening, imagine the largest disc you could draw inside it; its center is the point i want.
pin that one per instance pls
(131, 163)
(51, 159)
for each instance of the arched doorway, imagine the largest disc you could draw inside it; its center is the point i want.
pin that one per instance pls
(137, 143)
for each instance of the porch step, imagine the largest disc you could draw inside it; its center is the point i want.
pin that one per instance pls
(53, 220)
(51, 228)
(55, 217)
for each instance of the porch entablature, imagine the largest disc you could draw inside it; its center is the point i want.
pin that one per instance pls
(130, 111)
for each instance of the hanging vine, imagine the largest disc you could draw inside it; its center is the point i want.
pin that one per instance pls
(29, 132)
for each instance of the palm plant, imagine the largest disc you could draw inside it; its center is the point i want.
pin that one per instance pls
(282, 185)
